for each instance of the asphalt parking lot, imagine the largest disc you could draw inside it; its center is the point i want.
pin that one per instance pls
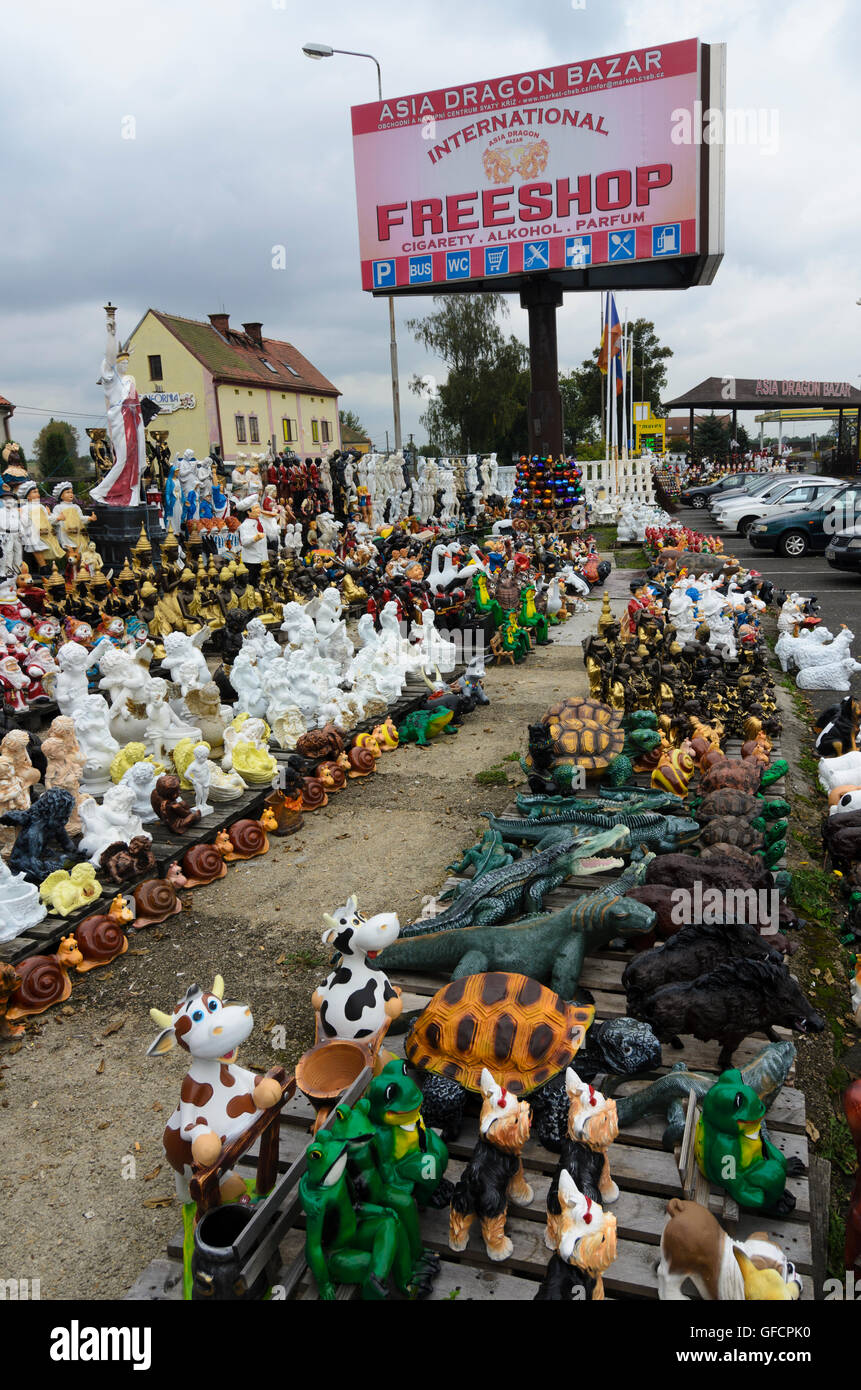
(838, 592)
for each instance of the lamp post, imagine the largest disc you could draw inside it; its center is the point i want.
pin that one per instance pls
(323, 50)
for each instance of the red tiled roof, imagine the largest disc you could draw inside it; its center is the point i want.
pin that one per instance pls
(6, 405)
(236, 357)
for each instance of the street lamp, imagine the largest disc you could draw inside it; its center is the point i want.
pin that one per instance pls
(323, 50)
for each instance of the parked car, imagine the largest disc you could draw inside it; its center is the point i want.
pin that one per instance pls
(741, 513)
(808, 531)
(698, 496)
(754, 487)
(843, 551)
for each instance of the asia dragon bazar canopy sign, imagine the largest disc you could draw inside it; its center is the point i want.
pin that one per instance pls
(592, 172)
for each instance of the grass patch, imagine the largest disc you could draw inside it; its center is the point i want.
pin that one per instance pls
(305, 960)
(631, 559)
(512, 758)
(492, 777)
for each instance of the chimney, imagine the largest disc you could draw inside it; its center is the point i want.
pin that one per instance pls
(221, 323)
(255, 332)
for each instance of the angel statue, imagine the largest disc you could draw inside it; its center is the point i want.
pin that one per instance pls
(121, 485)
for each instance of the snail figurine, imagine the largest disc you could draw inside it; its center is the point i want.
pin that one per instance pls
(203, 864)
(314, 794)
(386, 735)
(334, 774)
(100, 940)
(368, 741)
(247, 839)
(44, 980)
(362, 762)
(155, 900)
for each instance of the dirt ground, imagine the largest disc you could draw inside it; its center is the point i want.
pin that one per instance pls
(86, 1194)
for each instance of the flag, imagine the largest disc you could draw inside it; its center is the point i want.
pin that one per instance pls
(611, 343)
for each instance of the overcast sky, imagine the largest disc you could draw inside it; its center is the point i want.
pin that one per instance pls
(242, 143)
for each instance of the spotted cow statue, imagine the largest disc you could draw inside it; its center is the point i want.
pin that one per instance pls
(218, 1100)
(356, 1000)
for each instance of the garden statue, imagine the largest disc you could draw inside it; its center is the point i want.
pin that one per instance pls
(694, 1246)
(169, 806)
(42, 825)
(355, 1000)
(141, 779)
(90, 717)
(68, 519)
(180, 650)
(14, 796)
(585, 1246)
(112, 822)
(197, 773)
(219, 1100)
(165, 729)
(494, 1172)
(732, 1151)
(121, 486)
(408, 1152)
(223, 786)
(20, 905)
(592, 1126)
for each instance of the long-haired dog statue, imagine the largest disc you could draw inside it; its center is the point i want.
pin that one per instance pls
(593, 1125)
(694, 1246)
(585, 1247)
(494, 1173)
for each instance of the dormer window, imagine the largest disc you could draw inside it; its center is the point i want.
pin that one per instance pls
(268, 365)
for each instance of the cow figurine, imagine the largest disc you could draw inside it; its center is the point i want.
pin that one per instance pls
(356, 1000)
(218, 1100)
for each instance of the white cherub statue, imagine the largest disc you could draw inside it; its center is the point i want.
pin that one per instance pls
(199, 774)
(114, 820)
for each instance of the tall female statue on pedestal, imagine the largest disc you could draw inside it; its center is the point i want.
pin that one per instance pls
(121, 486)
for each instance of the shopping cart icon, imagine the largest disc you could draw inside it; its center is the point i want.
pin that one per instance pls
(536, 255)
(496, 260)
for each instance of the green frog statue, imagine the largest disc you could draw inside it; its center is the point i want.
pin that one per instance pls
(407, 1152)
(732, 1151)
(349, 1240)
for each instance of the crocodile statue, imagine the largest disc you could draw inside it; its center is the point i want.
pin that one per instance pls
(490, 853)
(610, 801)
(550, 947)
(663, 834)
(423, 724)
(766, 1074)
(522, 885)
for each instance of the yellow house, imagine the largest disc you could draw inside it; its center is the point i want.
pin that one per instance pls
(219, 387)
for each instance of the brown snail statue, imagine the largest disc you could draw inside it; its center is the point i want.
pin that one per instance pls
(314, 795)
(100, 940)
(44, 980)
(362, 762)
(202, 864)
(247, 839)
(154, 900)
(9, 982)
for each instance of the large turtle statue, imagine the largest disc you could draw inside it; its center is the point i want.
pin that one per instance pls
(580, 737)
(527, 1034)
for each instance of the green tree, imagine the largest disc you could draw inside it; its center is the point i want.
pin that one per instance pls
(584, 389)
(743, 438)
(482, 403)
(350, 421)
(711, 437)
(55, 450)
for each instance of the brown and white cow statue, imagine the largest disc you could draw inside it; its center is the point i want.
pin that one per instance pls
(218, 1100)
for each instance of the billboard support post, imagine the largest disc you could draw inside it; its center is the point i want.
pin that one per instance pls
(541, 299)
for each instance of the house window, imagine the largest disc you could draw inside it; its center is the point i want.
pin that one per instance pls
(315, 431)
(288, 429)
(240, 428)
(155, 368)
(325, 428)
(254, 429)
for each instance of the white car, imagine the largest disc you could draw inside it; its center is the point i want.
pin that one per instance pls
(795, 495)
(754, 487)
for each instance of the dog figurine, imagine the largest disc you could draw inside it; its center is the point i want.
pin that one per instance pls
(593, 1125)
(585, 1249)
(494, 1173)
(694, 1246)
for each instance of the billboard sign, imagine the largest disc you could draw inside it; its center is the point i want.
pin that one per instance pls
(584, 172)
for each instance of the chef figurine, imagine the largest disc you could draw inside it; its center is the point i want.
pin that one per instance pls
(68, 519)
(252, 540)
(43, 544)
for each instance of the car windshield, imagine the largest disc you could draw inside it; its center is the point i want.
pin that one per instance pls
(758, 487)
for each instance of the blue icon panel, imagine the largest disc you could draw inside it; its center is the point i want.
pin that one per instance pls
(622, 246)
(496, 260)
(536, 255)
(578, 251)
(667, 239)
(421, 270)
(384, 274)
(457, 265)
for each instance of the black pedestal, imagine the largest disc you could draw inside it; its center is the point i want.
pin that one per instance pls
(116, 529)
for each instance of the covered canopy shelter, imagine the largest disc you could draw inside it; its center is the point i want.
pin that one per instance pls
(735, 393)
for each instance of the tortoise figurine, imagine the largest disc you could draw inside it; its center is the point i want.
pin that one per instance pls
(524, 1030)
(587, 735)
